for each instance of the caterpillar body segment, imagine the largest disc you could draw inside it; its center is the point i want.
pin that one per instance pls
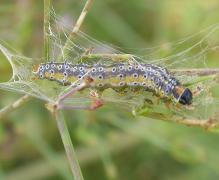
(118, 76)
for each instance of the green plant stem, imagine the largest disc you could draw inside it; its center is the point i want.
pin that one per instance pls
(46, 29)
(11, 107)
(69, 148)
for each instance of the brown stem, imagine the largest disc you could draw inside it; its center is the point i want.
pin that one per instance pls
(77, 26)
(198, 72)
(203, 123)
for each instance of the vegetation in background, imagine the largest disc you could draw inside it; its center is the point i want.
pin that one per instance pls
(111, 144)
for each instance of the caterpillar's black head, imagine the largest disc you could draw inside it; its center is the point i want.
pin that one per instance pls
(186, 97)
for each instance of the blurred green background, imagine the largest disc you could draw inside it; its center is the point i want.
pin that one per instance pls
(110, 142)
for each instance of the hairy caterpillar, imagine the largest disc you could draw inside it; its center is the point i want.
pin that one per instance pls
(118, 76)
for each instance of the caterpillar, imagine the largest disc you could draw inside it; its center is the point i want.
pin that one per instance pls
(118, 76)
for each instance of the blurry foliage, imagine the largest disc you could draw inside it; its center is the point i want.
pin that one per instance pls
(111, 143)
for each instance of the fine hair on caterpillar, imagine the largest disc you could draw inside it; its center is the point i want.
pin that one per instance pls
(118, 76)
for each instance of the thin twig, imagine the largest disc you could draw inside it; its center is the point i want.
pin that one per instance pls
(197, 72)
(210, 123)
(81, 17)
(11, 107)
(69, 148)
(77, 26)
(206, 124)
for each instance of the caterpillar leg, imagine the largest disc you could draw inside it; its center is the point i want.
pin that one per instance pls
(96, 104)
(168, 104)
(197, 91)
(96, 100)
